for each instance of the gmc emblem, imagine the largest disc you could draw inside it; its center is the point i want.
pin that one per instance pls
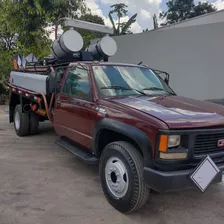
(220, 143)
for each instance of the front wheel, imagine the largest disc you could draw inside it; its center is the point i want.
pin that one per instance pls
(121, 173)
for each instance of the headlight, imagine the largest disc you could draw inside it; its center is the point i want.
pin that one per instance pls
(168, 141)
(173, 141)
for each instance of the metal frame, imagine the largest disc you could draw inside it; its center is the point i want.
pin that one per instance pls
(75, 23)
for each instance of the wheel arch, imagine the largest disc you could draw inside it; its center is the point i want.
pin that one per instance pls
(108, 130)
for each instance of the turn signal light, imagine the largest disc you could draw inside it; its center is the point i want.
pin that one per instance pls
(163, 143)
(37, 99)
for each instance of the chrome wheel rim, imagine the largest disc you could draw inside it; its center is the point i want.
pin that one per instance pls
(116, 177)
(17, 120)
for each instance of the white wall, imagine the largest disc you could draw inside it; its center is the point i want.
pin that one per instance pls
(194, 57)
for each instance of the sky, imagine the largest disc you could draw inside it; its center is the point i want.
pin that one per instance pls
(145, 9)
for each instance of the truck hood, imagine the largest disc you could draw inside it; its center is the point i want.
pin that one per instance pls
(176, 111)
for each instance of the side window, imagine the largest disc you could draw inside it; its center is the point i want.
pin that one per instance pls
(77, 84)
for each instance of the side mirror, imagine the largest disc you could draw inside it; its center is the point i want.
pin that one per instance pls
(163, 75)
(166, 80)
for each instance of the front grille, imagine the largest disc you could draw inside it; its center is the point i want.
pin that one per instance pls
(207, 144)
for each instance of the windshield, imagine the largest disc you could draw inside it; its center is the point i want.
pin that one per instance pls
(128, 80)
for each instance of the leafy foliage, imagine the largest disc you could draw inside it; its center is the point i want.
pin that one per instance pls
(122, 28)
(185, 9)
(60, 8)
(202, 8)
(5, 63)
(8, 35)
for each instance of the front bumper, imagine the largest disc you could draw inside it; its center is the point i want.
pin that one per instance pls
(162, 181)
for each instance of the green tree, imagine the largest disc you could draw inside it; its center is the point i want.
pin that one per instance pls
(8, 39)
(121, 10)
(29, 19)
(202, 8)
(8, 35)
(32, 16)
(21, 31)
(180, 10)
(64, 8)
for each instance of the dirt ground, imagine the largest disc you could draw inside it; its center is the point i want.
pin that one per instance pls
(42, 183)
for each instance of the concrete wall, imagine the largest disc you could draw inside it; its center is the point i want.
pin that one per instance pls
(194, 57)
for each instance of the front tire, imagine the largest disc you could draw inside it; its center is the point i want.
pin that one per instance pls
(121, 173)
(21, 122)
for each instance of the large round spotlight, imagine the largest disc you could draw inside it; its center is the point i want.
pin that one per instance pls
(68, 43)
(103, 48)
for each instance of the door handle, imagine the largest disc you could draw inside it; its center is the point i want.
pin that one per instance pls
(58, 103)
(74, 102)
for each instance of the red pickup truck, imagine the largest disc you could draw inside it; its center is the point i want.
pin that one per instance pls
(127, 119)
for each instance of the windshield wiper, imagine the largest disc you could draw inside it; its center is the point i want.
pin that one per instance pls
(123, 88)
(153, 88)
(159, 89)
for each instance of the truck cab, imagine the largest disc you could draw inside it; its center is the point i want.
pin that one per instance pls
(116, 105)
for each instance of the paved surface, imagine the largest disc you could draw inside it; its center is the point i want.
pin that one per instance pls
(40, 183)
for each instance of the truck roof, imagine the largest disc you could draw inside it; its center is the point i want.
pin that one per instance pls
(107, 63)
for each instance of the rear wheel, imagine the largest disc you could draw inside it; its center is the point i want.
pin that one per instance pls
(34, 123)
(21, 122)
(121, 173)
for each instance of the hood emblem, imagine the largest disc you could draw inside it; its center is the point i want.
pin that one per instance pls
(220, 143)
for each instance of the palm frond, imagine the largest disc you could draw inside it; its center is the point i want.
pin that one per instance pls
(128, 24)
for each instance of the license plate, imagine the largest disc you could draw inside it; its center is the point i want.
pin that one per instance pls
(204, 174)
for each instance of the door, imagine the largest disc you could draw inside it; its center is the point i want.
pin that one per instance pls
(61, 104)
(77, 107)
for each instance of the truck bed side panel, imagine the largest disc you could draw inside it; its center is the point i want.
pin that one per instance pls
(33, 82)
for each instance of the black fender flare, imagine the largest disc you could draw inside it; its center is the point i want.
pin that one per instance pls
(129, 131)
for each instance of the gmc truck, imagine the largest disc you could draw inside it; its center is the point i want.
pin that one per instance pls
(125, 118)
